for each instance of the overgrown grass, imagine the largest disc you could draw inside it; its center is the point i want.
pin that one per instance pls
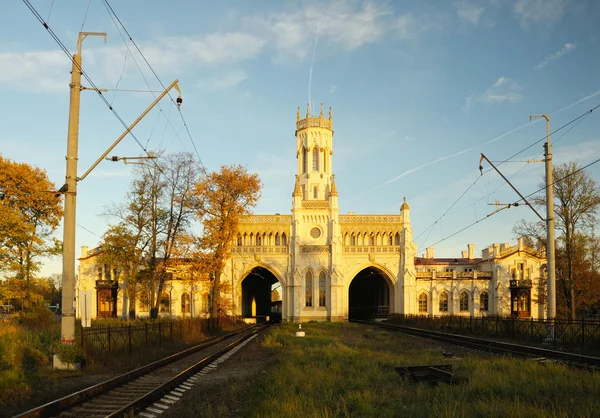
(342, 369)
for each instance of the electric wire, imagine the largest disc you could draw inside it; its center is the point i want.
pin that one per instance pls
(159, 80)
(83, 73)
(574, 121)
(127, 43)
(84, 16)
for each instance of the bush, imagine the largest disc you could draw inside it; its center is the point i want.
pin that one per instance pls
(13, 387)
(33, 359)
(37, 317)
(69, 353)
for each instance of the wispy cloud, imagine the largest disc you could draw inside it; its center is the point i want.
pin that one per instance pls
(469, 12)
(223, 81)
(532, 11)
(553, 57)
(341, 23)
(39, 71)
(503, 90)
(332, 88)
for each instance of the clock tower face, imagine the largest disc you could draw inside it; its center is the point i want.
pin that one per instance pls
(315, 232)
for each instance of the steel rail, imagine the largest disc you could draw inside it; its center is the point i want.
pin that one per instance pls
(155, 395)
(571, 359)
(57, 406)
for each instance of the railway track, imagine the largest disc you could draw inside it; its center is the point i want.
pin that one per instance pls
(139, 391)
(491, 346)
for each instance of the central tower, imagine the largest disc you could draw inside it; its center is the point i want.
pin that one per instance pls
(315, 232)
(314, 148)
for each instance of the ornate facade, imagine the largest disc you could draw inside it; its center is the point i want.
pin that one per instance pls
(332, 266)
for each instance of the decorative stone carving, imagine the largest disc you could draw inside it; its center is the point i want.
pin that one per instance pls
(314, 248)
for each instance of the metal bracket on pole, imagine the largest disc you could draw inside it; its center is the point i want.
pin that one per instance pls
(103, 156)
(510, 184)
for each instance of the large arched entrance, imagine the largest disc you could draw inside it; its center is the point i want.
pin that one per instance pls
(261, 295)
(369, 295)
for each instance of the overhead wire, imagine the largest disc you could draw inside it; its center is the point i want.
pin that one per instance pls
(574, 121)
(83, 73)
(160, 82)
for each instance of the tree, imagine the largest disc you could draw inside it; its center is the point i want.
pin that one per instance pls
(577, 200)
(157, 214)
(29, 214)
(223, 197)
(122, 249)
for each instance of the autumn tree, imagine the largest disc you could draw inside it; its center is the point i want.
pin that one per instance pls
(157, 213)
(576, 204)
(123, 247)
(223, 197)
(29, 214)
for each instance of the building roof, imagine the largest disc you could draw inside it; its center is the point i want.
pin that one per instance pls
(446, 261)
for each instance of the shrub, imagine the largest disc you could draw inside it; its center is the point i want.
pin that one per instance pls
(37, 317)
(13, 387)
(69, 353)
(33, 359)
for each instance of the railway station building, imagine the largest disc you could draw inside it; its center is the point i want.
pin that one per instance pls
(329, 266)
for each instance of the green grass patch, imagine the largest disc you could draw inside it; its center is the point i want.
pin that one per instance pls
(342, 369)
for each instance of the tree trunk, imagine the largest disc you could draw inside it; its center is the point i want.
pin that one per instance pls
(216, 295)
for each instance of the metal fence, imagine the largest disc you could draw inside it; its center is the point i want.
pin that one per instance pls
(581, 333)
(100, 341)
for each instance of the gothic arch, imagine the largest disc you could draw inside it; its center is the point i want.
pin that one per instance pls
(390, 277)
(278, 275)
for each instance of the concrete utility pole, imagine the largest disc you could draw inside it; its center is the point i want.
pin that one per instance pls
(67, 325)
(67, 321)
(550, 250)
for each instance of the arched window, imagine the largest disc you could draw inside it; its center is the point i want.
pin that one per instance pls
(308, 283)
(353, 240)
(371, 240)
(185, 303)
(239, 239)
(164, 302)
(483, 302)
(397, 239)
(443, 302)
(144, 301)
(322, 292)
(315, 159)
(304, 160)
(283, 239)
(325, 160)
(315, 192)
(277, 239)
(423, 303)
(391, 240)
(464, 302)
(258, 239)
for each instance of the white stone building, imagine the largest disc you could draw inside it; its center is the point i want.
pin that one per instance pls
(333, 266)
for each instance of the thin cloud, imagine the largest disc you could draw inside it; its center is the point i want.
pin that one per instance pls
(469, 12)
(503, 90)
(223, 81)
(535, 11)
(557, 55)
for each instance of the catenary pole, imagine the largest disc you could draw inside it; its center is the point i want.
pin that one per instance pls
(67, 321)
(550, 245)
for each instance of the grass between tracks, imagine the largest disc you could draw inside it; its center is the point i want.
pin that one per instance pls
(342, 369)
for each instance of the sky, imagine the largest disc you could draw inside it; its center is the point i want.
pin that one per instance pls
(418, 91)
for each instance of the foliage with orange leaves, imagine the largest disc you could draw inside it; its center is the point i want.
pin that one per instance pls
(223, 197)
(29, 214)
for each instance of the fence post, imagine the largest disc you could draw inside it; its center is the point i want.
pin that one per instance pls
(532, 328)
(82, 338)
(159, 335)
(582, 331)
(146, 332)
(497, 318)
(129, 336)
(109, 338)
(513, 328)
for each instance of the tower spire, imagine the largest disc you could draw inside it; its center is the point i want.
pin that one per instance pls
(308, 110)
(298, 115)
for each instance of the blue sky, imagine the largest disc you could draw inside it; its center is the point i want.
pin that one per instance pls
(418, 90)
